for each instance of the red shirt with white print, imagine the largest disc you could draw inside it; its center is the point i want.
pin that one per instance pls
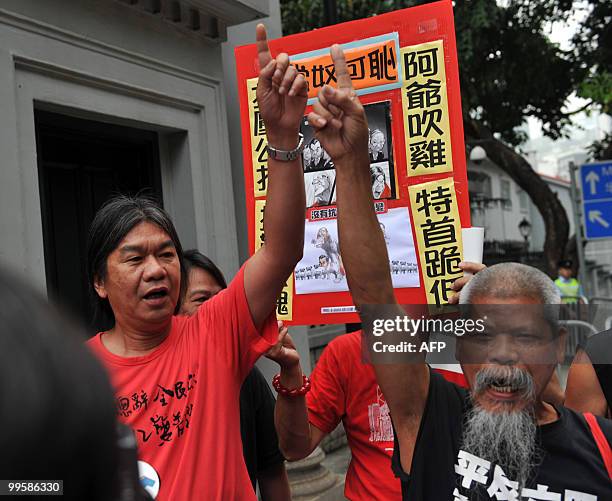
(182, 400)
(345, 389)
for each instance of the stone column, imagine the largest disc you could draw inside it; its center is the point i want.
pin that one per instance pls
(310, 481)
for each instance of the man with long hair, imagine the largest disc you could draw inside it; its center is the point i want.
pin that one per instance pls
(176, 378)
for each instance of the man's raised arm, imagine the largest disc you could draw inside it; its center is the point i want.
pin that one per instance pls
(340, 123)
(282, 95)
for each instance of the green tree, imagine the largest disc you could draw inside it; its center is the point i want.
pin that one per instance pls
(593, 46)
(509, 70)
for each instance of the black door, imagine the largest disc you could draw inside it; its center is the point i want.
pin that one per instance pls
(81, 164)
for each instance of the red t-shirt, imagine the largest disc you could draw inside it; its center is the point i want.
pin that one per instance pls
(344, 389)
(182, 400)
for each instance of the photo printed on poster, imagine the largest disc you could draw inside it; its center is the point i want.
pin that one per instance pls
(381, 150)
(319, 173)
(320, 188)
(321, 268)
(314, 157)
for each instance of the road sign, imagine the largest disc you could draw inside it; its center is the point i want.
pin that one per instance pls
(596, 181)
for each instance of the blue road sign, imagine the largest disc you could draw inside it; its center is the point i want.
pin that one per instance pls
(598, 219)
(596, 181)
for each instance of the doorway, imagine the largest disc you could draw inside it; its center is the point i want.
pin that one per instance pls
(81, 164)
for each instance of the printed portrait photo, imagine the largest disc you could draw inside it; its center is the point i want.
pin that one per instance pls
(381, 150)
(314, 157)
(320, 188)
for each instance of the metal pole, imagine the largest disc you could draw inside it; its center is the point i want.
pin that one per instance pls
(330, 12)
(576, 199)
(596, 280)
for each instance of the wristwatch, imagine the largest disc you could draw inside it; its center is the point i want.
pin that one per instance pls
(287, 156)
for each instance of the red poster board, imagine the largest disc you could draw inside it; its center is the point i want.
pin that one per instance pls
(415, 26)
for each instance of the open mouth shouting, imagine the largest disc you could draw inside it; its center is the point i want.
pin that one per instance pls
(504, 390)
(504, 385)
(156, 296)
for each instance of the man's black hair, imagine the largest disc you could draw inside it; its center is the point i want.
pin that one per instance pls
(194, 257)
(115, 219)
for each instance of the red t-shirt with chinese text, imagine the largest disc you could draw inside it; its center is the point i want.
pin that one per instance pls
(344, 389)
(182, 400)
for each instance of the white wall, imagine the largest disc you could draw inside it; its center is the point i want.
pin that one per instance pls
(110, 22)
(106, 62)
(242, 34)
(500, 223)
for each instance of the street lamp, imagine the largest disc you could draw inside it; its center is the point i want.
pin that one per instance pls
(525, 228)
(477, 154)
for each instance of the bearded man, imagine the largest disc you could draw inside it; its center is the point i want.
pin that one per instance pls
(500, 439)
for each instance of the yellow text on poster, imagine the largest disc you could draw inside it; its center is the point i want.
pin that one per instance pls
(259, 141)
(284, 303)
(425, 109)
(260, 205)
(438, 231)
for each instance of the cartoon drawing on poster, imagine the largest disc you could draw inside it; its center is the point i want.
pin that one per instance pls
(330, 263)
(319, 175)
(380, 180)
(397, 230)
(376, 146)
(320, 188)
(379, 126)
(321, 269)
(314, 157)
(380, 148)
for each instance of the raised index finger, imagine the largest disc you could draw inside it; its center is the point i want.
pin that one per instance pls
(263, 51)
(342, 73)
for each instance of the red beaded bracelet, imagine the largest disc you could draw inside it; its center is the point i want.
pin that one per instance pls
(296, 392)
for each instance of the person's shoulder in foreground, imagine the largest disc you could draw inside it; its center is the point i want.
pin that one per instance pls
(589, 381)
(60, 418)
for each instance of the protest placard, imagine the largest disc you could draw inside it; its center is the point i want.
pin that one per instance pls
(404, 68)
